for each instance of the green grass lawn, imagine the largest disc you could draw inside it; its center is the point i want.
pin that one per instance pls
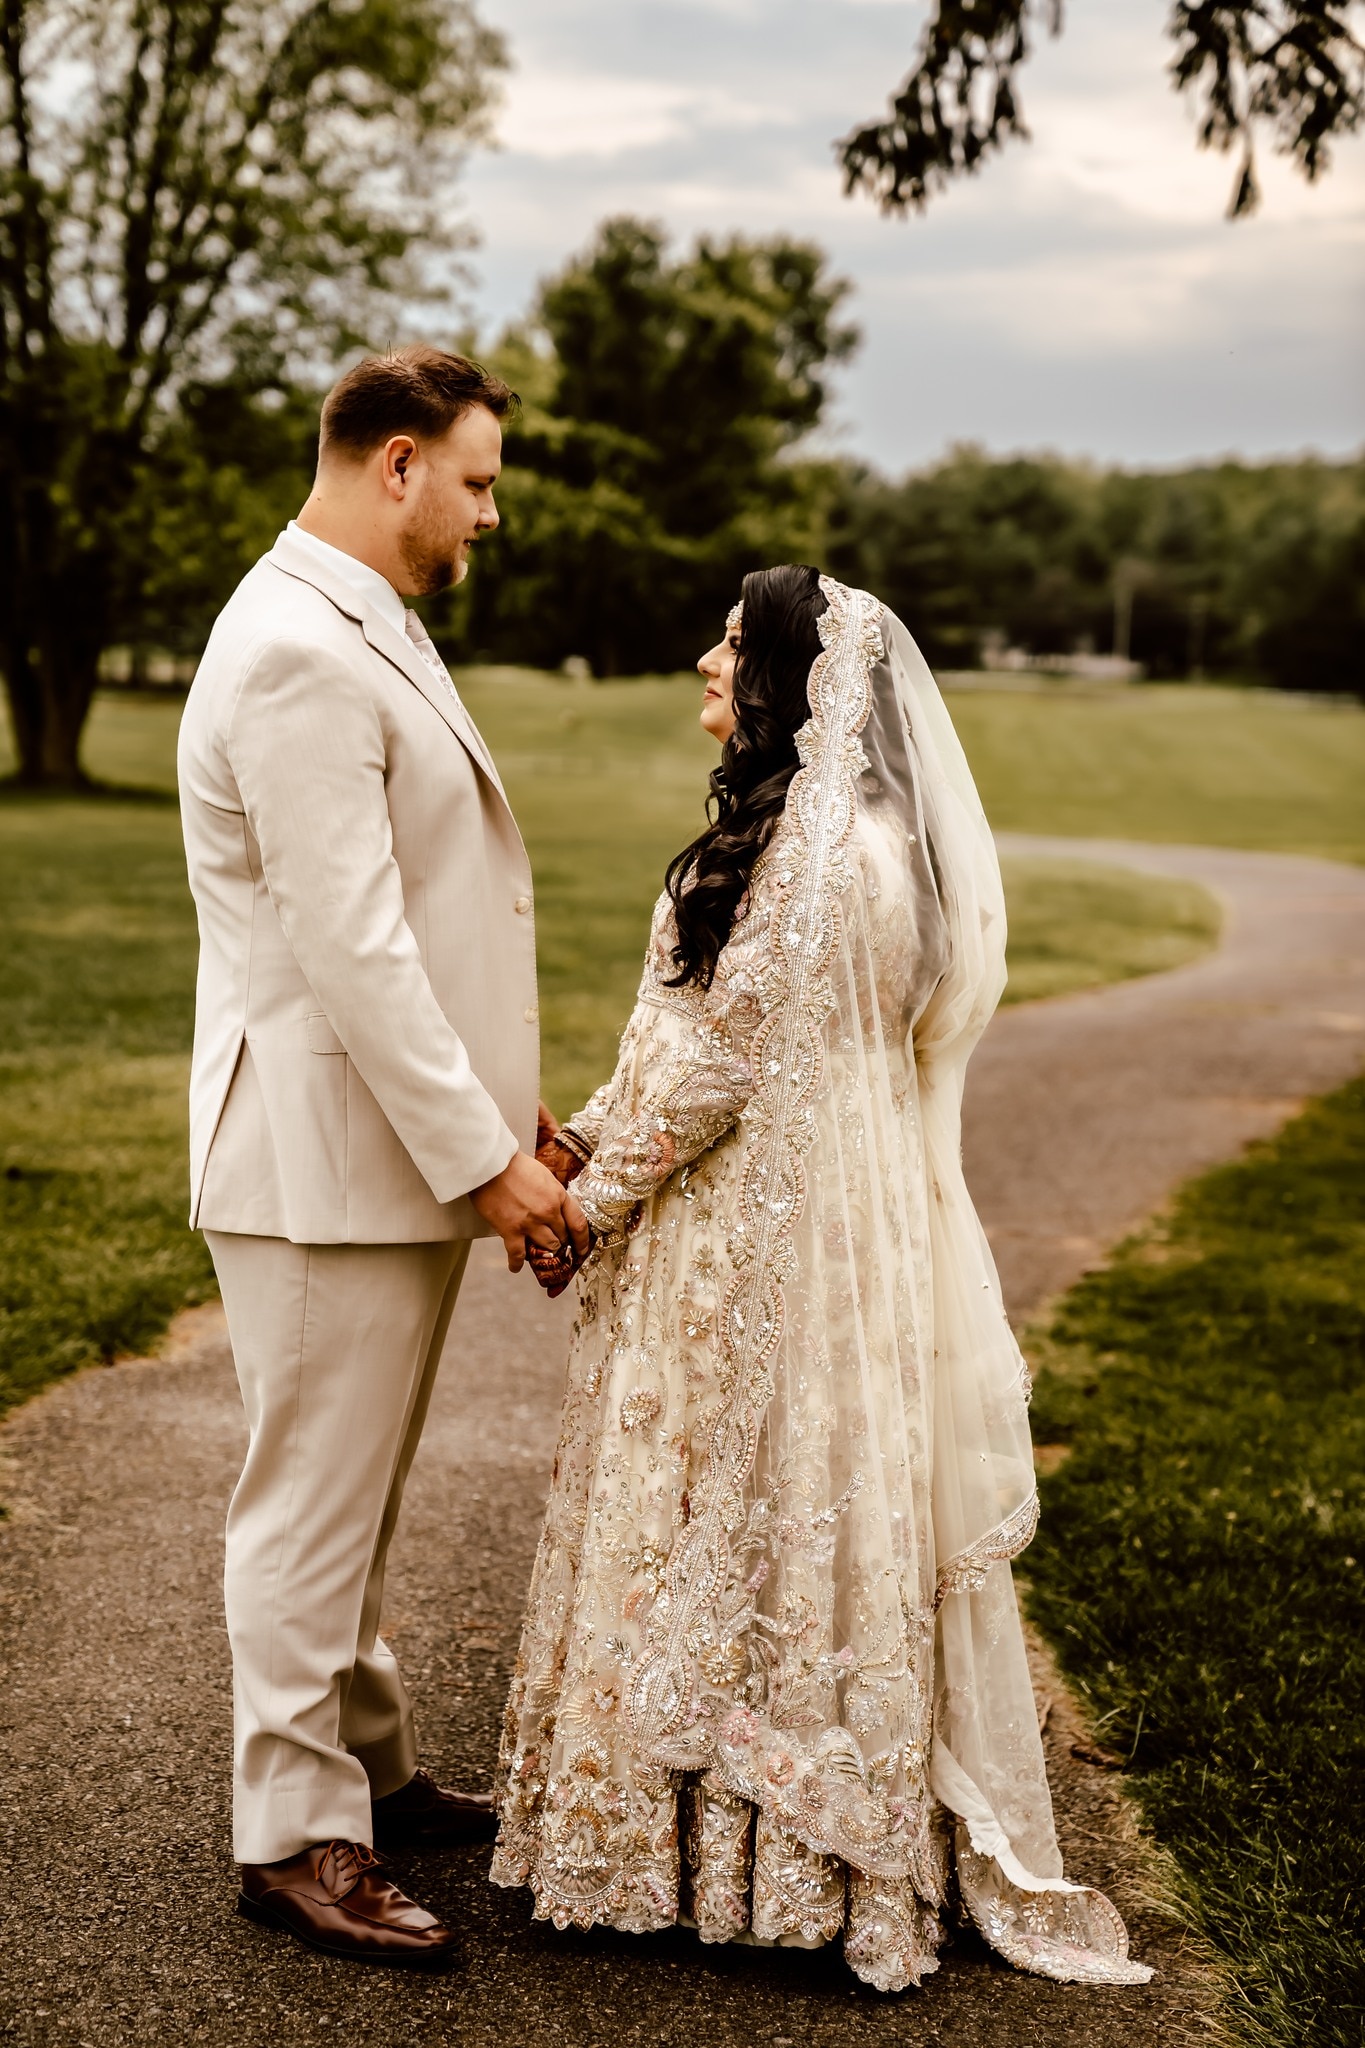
(1199, 1405)
(607, 780)
(1201, 1561)
(97, 935)
(1172, 762)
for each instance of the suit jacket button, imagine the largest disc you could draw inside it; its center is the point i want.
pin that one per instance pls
(522, 905)
(532, 1014)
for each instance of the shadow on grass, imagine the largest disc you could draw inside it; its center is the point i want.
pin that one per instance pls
(12, 791)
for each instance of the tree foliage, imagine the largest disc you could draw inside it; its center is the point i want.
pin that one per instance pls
(664, 396)
(192, 192)
(1229, 569)
(1292, 68)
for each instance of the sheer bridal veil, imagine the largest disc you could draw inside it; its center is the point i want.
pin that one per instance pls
(773, 1676)
(871, 1474)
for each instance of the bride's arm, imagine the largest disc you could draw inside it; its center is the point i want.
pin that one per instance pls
(682, 1080)
(582, 1133)
(695, 1081)
(567, 1150)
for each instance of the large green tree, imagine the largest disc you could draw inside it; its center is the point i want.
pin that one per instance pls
(665, 397)
(193, 194)
(1294, 69)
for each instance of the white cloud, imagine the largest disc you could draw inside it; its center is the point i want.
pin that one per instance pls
(553, 115)
(1083, 291)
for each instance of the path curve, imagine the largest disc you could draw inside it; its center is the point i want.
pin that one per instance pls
(1083, 1112)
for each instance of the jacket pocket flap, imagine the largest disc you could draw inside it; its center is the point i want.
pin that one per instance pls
(321, 1037)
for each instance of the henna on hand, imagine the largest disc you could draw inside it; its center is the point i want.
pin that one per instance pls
(553, 1269)
(563, 1164)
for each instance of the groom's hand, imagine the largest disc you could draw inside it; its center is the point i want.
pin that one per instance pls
(526, 1205)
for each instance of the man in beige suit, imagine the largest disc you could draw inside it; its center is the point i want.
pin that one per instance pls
(362, 1104)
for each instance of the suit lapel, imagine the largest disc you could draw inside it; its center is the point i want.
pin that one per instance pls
(395, 647)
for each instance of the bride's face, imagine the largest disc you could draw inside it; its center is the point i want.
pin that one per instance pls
(718, 705)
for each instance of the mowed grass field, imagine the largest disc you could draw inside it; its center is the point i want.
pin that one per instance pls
(1200, 1565)
(96, 1009)
(1200, 1408)
(608, 781)
(1176, 762)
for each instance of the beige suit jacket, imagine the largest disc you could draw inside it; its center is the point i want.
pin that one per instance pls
(366, 1047)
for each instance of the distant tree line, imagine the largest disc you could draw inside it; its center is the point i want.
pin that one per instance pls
(660, 455)
(205, 208)
(663, 449)
(1227, 569)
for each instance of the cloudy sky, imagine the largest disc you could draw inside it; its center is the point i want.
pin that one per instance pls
(1083, 293)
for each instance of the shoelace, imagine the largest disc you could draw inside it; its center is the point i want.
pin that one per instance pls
(349, 1859)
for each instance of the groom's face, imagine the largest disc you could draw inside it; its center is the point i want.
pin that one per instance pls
(449, 502)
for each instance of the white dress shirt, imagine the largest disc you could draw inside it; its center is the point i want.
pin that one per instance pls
(363, 580)
(378, 591)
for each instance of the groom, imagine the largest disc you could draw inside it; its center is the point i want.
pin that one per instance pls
(362, 1105)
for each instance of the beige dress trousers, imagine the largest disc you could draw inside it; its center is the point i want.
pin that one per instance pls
(366, 1052)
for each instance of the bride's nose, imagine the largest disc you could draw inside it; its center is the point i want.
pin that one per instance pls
(709, 665)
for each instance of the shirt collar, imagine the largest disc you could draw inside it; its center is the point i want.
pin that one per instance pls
(367, 583)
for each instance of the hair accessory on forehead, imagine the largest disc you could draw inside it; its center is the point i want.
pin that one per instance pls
(733, 617)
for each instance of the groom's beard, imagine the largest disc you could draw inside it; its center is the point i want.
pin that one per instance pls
(430, 548)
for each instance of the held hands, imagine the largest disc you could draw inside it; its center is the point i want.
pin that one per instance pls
(554, 1269)
(533, 1213)
(562, 1162)
(547, 1123)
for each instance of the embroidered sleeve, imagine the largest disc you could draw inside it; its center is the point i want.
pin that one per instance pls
(693, 1098)
(684, 1076)
(584, 1129)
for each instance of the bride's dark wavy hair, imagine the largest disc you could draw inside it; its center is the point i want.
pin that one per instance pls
(778, 644)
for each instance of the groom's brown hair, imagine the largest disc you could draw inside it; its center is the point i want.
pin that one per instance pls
(419, 390)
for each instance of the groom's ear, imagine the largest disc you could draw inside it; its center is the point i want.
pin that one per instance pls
(395, 458)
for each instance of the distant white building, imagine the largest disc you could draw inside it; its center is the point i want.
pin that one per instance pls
(1082, 661)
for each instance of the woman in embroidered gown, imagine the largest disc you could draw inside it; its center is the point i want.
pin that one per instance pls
(772, 1681)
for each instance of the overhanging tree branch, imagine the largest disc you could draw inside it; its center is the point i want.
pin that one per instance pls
(1292, 68)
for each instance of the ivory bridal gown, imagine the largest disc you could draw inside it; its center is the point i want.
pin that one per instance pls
(772, 1680)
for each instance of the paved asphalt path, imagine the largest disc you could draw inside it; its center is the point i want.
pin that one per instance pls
(116, 1926)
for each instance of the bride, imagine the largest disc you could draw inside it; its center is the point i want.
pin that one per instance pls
(772, 1680)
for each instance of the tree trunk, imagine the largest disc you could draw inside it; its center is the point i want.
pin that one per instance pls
(50, 689)
(64, 492)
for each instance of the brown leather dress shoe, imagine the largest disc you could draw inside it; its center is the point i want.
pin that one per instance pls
(421, 1814)
(335, 1898)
